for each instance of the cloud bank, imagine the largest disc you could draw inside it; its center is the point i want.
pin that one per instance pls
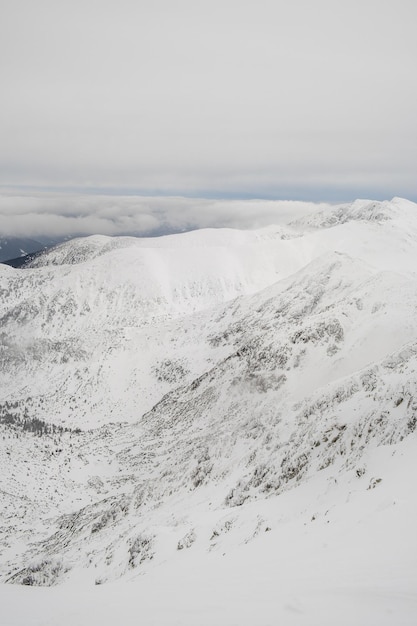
(60, 215)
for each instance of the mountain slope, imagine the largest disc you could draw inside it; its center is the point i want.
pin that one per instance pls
(150, 413)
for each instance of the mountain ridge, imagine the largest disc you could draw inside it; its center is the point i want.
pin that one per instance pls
(175, 412)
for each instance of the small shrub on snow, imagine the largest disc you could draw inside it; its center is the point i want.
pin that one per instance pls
(42, 574)
(187, 541)
(141, 550)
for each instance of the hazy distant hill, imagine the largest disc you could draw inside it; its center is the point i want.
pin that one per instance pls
(15, 247)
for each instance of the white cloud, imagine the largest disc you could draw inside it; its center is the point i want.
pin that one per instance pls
(59, 215)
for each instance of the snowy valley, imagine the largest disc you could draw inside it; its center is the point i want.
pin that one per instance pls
(216, 427)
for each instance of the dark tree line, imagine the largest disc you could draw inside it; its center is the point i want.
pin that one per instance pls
(26, 423)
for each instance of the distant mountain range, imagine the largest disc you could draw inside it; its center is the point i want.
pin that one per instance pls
(17, 247)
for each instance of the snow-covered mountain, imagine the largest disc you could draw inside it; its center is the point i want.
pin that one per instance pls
(206, 400)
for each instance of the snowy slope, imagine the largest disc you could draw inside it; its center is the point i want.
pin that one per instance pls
(197, 390)
(342, 556)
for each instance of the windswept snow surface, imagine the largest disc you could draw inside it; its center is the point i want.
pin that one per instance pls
(217, 427)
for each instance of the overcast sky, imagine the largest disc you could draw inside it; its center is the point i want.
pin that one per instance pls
(312, 100)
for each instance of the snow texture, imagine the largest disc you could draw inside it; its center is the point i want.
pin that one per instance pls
(217, 427)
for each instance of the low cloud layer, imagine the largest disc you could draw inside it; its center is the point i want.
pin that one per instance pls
(61, 215)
